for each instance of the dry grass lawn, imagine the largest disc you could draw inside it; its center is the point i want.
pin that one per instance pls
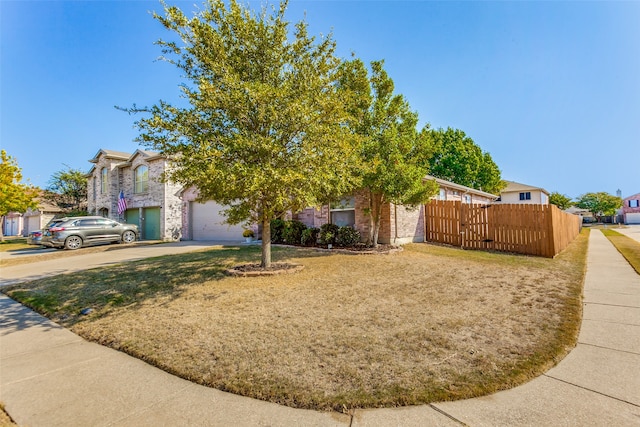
(629, 248)
(428, 324)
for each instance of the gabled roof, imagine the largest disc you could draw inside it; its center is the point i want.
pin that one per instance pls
(148, 155)
(111, 154)
(463, 188)
(516, 187)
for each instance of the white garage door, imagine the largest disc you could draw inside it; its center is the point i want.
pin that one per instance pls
(632, 218)
(208, 224)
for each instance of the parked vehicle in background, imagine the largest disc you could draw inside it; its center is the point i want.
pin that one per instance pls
(34, 238)
(75, 232)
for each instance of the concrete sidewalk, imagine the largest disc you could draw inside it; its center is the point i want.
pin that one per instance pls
(51, 377)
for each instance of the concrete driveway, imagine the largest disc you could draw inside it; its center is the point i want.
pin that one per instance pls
(82, 261)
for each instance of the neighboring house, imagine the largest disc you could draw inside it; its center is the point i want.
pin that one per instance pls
(399, 224)
(151, 204)
(13, 224)
(631, 209)
(21, 224)
(585, 214)
(162, 210)
(517, 193)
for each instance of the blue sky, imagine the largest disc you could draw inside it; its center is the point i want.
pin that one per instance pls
(550, 89)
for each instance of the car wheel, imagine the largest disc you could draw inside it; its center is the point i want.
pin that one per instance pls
(128, 237)
(73, 242)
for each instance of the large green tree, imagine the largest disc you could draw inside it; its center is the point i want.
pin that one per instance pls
(68, 190)
(599, 204)
(15, 196)
(394, 154)
(560, 200)
(457, 158)
(264, 131)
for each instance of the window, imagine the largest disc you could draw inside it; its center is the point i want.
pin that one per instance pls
(525, 196)
(343, 212)
(443, 194)
(103, 180)
(633, 203)
(141, 180)
(467, 198)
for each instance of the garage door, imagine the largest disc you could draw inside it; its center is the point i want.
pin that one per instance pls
(632, 218)
(208, 224)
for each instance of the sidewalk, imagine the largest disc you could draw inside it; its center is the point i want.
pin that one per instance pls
(51, 377)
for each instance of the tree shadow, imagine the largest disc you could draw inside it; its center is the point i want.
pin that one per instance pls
(63, 298)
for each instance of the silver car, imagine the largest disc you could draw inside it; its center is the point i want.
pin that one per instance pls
(76, 232)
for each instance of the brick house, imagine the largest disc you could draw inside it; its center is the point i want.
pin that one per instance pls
(631, 209)
(153, 205)
(399, 224)
(162, 210)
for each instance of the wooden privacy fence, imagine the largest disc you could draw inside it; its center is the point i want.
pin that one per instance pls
(542, 230)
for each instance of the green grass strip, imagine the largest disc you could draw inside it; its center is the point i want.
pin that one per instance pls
(629, 248)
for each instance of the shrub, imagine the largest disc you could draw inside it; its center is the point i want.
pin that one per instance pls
(292, 233)
(248, 233)
(310, 236)
(328, 233)
(347, 236)
(277, 229)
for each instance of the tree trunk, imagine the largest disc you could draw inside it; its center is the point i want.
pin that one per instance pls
(375, 204)
(266, 243)
(2, 228)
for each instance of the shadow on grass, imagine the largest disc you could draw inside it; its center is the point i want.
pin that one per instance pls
(64, 298)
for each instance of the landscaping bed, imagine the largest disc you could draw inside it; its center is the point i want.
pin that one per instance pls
(428, 324)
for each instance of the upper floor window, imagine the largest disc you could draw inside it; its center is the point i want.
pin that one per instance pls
(141, 179)
(104, 180)
(525, 196)
(633, 203)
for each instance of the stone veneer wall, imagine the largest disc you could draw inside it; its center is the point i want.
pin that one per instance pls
(159, 194)
(120, 177)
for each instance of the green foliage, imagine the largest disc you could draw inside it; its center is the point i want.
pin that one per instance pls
(14, 195)
(560, 200)
(264, 129)
(394, 156)
(328, 234)
(292, 233)
(347, 236)
(310, 236)
(68, 190)
(599, 204)
(457, 158)
(277, 230)
(248, 233)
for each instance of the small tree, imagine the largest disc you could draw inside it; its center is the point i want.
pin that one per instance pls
(599, 204)
(68, 190)
(14, 195)
(394, 154)
(560, 200)
(265, 129)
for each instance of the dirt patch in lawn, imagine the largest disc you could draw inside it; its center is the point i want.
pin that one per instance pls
(428, 324)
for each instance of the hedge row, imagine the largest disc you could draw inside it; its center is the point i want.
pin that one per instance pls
(294, 232)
